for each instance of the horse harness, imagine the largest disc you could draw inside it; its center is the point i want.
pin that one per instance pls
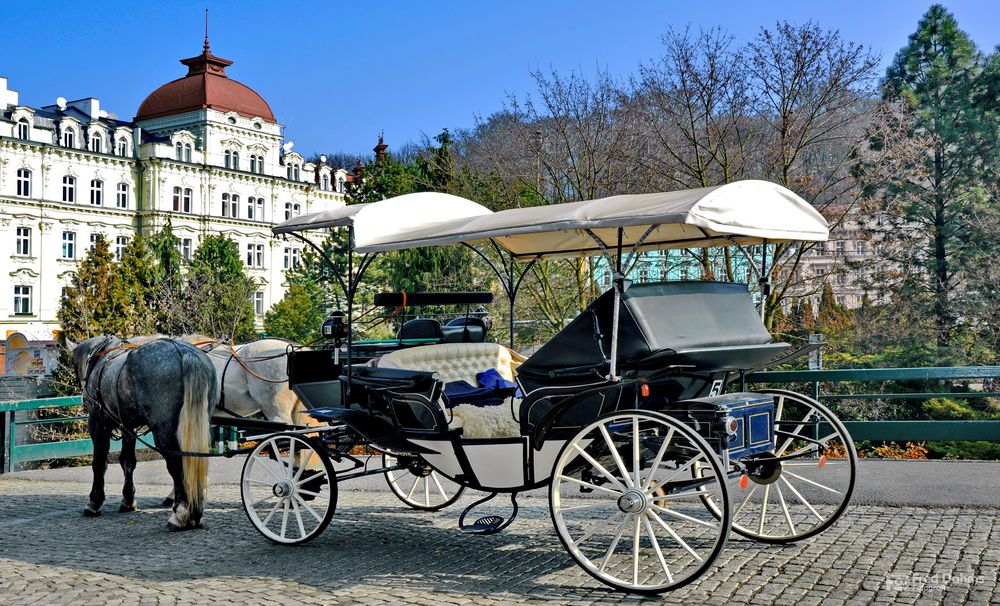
(209, 346)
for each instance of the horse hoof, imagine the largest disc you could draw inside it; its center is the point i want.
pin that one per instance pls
(90, 512)
(123, 508)
(167, 502)
(172, 528)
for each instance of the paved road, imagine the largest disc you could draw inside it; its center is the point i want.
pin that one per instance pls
(378, 552)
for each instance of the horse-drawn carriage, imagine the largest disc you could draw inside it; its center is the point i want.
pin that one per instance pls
(635, 415)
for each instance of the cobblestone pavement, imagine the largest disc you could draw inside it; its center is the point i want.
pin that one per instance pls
(377, 551)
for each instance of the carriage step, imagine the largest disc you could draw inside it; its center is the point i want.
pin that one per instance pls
(488, 524)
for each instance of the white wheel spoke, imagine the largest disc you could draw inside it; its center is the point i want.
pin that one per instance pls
(306, 506)
(600, 468)
(298, 519)
(270, 471)
(582, 507)
(271, 513)
(284, 518)
(745, 501)
(290, 465)
(427, 492)
(615, 455)
(816, 484)
(780, 409)
(658, 459)
(614, 543)
(257, 482)
(635, 551)
(656, 548)
(784, 508)
(596, 526)
(409, 495)
(437, 483)
(681, 469)
(795, 433)
(684, 495)
(636, 469)
(801, 498)
(312, 478)
(763, 509)
(676, 537)
(318, 495)
(682, 516)
(812, 446)
(261, 500)
(589, 485)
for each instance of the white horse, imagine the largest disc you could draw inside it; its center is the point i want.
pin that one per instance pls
(252, 377)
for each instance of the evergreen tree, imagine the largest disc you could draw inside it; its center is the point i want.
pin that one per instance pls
(297, 317)
(95, 302)
(942, 142)
(136, 282)
(217, 295)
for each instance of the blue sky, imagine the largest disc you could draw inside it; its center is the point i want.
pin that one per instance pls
(337, 73)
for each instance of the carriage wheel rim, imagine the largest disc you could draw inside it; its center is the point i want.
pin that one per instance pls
(426, 490)
(810, 493)
(285, 500)
(670, 545)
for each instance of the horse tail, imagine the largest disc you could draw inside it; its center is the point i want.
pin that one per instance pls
(193, 427)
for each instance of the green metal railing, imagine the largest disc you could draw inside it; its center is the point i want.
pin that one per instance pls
(12, 453)
(898, 431)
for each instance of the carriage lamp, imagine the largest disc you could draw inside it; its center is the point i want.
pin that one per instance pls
(334, 327)
(732, 425)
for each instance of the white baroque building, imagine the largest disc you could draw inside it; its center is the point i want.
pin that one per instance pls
(203, 151)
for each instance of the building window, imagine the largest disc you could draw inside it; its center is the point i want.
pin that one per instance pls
(326, 182)
(255, 209)
(122, 148)
(859, 247)
(258, 303)
(841, 247)
(93, 240)
(230, 205)
(187, 152)
(177, 199)
(97, 192)
(253, 163)
(255, 255)
(186, 200)
(228, 159)
(96, 144)
(121, 242)
(22, 242)
(23, 129)
(291, 258)
(340, 185)
(179, 151)
(186, 247)
(260, 164)
(22, 300)
(296, 174)
(236, 160)
(121, 199)
(24, 182)
(68, 245)
(69, 189)
(69, 138)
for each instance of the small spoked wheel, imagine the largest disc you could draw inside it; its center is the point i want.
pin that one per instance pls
(289, 488)
(804, 484)
(626, 507)
(418, 485)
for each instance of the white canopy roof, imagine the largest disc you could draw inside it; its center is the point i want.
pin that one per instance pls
(387, 219)
(743, 212)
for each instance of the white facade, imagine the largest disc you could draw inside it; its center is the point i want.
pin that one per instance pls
(70, 171)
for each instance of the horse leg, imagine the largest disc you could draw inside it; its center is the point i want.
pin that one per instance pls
(127, 461)
(180, 517)
(101, 438)
(169, 499)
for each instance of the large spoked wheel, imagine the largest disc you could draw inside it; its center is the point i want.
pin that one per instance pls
(289, 488)
(419, 486)
(800, 488)
(638, 523)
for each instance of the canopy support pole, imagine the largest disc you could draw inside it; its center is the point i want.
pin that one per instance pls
(764, 280)
(322, 253)
(510, 280)
(350, 303)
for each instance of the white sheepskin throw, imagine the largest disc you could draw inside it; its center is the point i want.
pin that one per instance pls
(485, 421)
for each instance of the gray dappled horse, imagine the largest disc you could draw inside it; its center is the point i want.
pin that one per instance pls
(165, 385)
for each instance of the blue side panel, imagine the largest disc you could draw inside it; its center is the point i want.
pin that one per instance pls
(754, 416)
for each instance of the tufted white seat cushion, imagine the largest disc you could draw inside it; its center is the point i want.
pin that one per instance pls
(454, 361)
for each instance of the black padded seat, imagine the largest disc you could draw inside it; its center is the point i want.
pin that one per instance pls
(421, 328)
(465, 330)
